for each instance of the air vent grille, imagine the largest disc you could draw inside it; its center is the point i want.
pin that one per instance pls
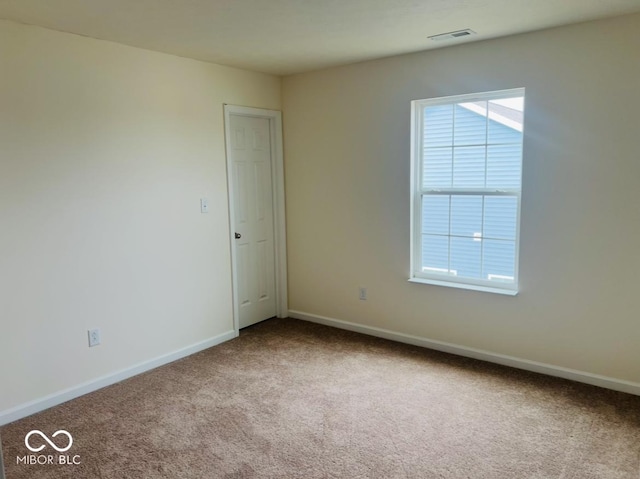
(452, 35)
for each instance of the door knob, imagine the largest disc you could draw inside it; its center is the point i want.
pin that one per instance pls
(238, 236)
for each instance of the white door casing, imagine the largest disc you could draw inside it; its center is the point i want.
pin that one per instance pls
(255, 174)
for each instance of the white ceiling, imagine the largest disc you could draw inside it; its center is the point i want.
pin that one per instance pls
(291, 36)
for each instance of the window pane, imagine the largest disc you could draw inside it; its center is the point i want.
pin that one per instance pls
(470, 124)
(435, 254)
(438, 126)
(435, 214)
(465, 257)
(468, 167)
(500, 217)
(466, 216)
(437, 167)
(499, 257)
(505, 120)
(503, 166)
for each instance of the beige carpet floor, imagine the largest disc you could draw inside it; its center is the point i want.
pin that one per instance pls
(290, 399)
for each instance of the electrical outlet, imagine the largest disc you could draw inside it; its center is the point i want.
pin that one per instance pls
(363, 293)
(94, 337)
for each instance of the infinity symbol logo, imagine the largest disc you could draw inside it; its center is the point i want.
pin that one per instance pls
(44, 436)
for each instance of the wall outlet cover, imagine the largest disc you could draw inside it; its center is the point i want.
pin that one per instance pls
(94, 337)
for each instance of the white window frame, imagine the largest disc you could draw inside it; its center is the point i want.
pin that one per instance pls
(418, 274)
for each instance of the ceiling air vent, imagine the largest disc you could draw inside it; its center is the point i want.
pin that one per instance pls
(452, 35)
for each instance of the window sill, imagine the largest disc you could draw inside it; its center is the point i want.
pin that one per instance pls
(472, 287)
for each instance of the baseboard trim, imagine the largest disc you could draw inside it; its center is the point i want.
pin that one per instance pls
(13, 414)
(511, 361)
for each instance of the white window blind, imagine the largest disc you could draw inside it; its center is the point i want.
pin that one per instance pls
(466, 188)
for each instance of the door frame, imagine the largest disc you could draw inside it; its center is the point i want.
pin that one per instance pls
(279, 224)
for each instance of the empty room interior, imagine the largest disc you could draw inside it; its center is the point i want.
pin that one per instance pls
(306, 239)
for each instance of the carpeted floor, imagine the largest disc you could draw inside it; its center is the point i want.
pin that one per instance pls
(290, 399)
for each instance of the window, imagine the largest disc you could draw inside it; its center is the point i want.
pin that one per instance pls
(466, 185)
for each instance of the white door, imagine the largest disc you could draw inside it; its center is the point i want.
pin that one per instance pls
(254, 269)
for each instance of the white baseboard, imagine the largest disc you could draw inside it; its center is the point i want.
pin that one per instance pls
(38, 405)
(534, 366)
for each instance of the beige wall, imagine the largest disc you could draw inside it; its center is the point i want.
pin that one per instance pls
(105, 151)
(347, 173)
